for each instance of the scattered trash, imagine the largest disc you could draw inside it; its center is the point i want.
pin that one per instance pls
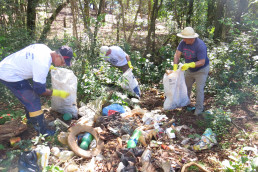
(28, 162)
(14, 140)
(170, 133)
(146, 161)
(165, 147)
(125, 137)
(155, 144)
(67, 116)
(55, 151)
(62, 138)
(132, 142)
(86, 140)
(72, 141)
(189, 108)
(43, 153)
(65, 155)
(208, 140)
(129, 82)
(72, 168)
(62, 125)
(114, 107)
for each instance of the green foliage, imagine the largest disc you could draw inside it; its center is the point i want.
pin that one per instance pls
(40, 139)
(193, 136)
(8, 115)
(52, 168)
(233, 71)
(240, 161)
(11, 157)
(218, 120)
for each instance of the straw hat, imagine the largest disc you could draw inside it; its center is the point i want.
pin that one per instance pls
(188, 32)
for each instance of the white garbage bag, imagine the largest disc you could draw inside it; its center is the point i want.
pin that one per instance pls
(130, 83)
(175, 90)
(64, 79)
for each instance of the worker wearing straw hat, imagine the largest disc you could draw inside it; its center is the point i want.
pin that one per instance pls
(194, 51)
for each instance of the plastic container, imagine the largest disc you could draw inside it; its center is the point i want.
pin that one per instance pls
(65, 155)
(62, 138)
(86, 140)
(132, 142)
(67, 116)
(42, 155)
(146, 156)
(166, 147)
(170, 133)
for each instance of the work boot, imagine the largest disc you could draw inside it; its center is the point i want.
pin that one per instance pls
(198, 112)
(40, 125)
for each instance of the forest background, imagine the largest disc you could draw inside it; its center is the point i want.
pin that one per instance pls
(146, 30)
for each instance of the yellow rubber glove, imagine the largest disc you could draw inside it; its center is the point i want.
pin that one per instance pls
(188, 65)
(60, 93)
(130, 65)
(52, 67)
(175, 66)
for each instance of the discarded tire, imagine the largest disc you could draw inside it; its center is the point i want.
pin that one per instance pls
(77, 129)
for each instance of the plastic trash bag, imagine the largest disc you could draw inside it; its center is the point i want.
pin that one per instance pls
(115, 107)
(208, 140)
(175, 90)
(28, 162)
(64, 79)
(130, 83)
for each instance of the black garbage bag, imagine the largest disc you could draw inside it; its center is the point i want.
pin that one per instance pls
(28, 162)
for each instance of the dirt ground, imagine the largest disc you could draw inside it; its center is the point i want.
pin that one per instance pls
(244, 120)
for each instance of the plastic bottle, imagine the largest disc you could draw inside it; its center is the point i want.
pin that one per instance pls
(86, 140)
(43, 153)
(65, 155)
(132, 142)
(67, 116)
(166, 147)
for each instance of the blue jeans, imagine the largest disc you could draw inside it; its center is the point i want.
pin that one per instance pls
(26, 95)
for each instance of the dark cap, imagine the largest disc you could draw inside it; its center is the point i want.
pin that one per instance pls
(67, 53)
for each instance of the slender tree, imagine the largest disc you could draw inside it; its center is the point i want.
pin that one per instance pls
(31, 17)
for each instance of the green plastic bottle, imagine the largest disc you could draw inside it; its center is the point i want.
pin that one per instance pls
(132, 142)
(67, 116)
(86, 140)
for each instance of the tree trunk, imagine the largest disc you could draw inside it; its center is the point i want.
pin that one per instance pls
(189, 13)
(11, 129)
(93, 42)
(176, 15)
(135, 19)
(74, 14)
(210, 14)
(150, 39)
(242, 8)
(219, 16)
(117, 27)
(86, 11)
(50, 21)
(31, 17)
(123, 17)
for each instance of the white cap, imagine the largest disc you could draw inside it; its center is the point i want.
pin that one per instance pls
(103, 51)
